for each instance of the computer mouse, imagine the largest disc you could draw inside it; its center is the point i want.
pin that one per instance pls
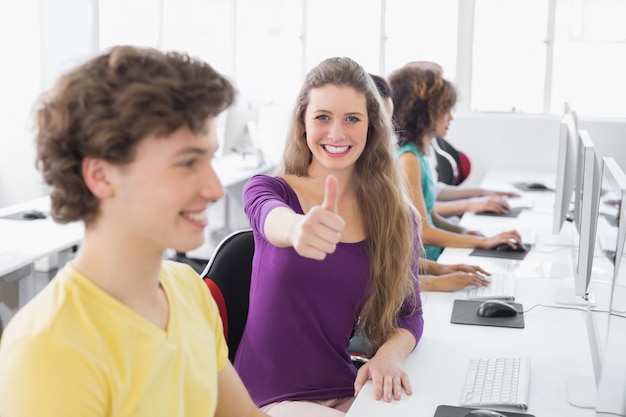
(505, 247)
(496, 308)
(33, 215)
(484, 413)
(536, 186)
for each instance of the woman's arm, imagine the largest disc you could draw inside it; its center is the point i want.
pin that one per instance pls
(493, 204)
(444, 224)
(452, 192)
(314, 234)
(386, 369)
(436, 268)
(436, 236)
(452, 282)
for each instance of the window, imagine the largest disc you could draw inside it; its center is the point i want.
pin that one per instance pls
(421, 30)
(509, 55)
(348, 28)
(527, 56)
(589, 57)
(268, 50)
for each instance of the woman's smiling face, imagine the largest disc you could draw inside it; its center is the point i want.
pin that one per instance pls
(336, 123)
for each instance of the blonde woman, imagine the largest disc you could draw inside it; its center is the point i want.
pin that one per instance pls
(336, 245)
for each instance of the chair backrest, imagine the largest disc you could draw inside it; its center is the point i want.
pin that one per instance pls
(227, 275)
(453, 166)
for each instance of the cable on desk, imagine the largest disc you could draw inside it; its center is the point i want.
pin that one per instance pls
(584, 310)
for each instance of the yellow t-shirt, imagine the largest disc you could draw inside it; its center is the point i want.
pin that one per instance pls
(76, 351)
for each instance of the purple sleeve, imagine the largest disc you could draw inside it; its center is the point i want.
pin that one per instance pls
(411, 317)
(262, 194)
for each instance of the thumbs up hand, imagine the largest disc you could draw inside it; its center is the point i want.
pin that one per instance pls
(319, 231)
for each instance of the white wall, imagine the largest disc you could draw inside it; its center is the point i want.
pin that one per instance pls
(515, 141)
(63, 31)
(19, 23)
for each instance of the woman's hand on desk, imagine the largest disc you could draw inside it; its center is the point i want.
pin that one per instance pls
(492, 204)
(453, 281)
(444, 269)
(504, 237)
(386, 369)
(501, 193)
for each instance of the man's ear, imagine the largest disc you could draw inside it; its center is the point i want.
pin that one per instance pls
(96, 174)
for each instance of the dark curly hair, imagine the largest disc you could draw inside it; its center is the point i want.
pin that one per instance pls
(106, 106)
(381, 85)
(421, 96)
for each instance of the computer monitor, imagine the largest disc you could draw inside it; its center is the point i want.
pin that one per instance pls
(611, 373)
(610, 241)
(566, 169)
(586, 192)
(233, 132)
(586, 202)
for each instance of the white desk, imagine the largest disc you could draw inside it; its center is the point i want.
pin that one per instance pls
(438, 366)
(26, 241)
(554, 339)
(25, 244)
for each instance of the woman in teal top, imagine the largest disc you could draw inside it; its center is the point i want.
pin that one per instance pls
(423, 101)
(428, 191)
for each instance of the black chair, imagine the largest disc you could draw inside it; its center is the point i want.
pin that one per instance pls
(227, 275)
(453, 166)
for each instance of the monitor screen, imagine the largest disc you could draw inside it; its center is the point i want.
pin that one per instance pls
(567, 159)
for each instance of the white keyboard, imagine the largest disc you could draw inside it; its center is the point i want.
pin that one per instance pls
(497, 266)
(497, 382)
(502, 287)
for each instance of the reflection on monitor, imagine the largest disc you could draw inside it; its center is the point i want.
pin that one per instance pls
(566, 169)
(592, 392)
(611, 388)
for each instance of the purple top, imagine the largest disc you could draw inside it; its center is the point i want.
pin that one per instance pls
(303, 311)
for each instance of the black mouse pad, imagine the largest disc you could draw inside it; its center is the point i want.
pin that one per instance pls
(525, 186)
(514, 212)
(492, 253)
(450, 411)
(465, 312)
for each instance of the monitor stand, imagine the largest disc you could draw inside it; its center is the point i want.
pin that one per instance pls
(566, 296)
(581, 392)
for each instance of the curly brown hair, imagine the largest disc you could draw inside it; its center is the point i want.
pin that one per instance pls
(421, 96)
(106, 106)
(385, 207)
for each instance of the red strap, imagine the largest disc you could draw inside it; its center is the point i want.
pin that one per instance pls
(221, 303)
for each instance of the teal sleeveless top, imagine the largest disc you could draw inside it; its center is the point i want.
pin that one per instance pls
(428, 189)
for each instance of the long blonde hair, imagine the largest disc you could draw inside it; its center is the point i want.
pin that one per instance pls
(387, 213)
